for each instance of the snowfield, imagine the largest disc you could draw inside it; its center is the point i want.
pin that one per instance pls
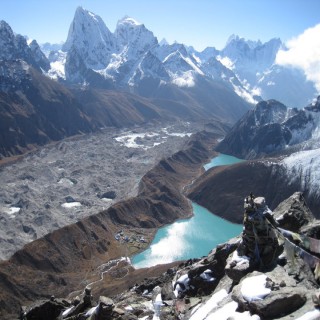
(305, 167)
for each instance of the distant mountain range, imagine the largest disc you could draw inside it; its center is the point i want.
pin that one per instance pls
(132, 58)
(98, 78)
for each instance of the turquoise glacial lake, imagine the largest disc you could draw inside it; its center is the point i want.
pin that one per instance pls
(190, 238)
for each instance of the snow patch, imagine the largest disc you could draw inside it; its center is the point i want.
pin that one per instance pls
(185, 80)
(66, 312)
(244, 94)
(305, 167)
(66, 181)
(91, 311)
(254, 288)
(311, 315)
(12, 211)
(227, 62)
(181, 285)
(207, 275)
(130, 140)
(204, 309)
(239, 259)
(68, 205)
(228, 311)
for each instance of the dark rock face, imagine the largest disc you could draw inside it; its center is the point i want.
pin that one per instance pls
(108, 195)
(41, 112)
(293, 213)
(49, 309)
(268, 129)
(222, 189)
(14, 47)
(259, 132)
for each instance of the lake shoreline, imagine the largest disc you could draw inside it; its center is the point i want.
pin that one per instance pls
(167, 229)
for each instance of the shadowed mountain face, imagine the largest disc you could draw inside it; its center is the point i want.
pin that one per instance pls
(272, 128)
(222, 189)
(35, 110)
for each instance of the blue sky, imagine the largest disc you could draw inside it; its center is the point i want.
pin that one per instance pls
(200, 23)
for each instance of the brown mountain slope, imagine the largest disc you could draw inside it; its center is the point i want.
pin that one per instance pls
(117, 108)
(207, 99)
(35, 110)
(222, 189)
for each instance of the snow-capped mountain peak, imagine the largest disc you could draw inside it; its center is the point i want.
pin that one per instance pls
(89, 35)
(131, 33)
(126, 20)
(247, 67)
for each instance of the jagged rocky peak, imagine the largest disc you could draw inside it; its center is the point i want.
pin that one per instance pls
(89, 35)
(12, 46)
(130, 33)
(150, 66)
(271, 111)
(163, 42)
(314, 106)
(233, 39)
(272, 127)
(7, 42)
(39, 56)
(16, 47)
(254, 55)
(236, 45)
(259, 132)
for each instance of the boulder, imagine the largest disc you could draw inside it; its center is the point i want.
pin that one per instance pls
(237, 267)
(109, 195)
(43, 309)
(279, 296)
(293, 213)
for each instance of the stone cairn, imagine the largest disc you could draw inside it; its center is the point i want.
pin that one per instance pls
(259, 238)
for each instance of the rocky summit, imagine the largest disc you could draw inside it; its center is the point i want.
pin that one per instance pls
(222, 285)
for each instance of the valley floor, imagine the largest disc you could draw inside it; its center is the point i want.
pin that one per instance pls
(62, 183)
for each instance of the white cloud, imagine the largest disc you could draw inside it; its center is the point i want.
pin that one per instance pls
(304, 53)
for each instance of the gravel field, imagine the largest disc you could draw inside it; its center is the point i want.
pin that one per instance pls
(66, 181)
